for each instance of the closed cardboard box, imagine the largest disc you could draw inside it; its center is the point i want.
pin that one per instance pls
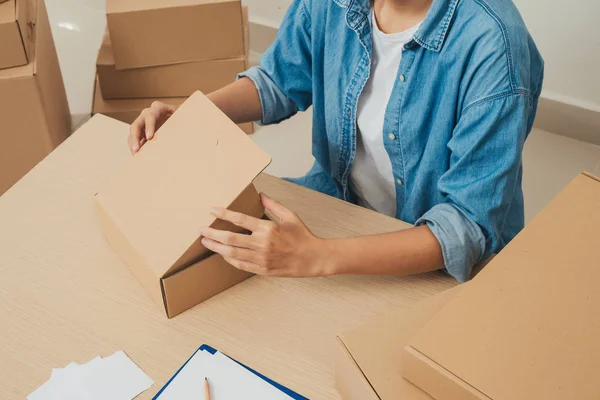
(17, 21)
(175, 80)
(528, 326)
(34, 114)
(152, 212)
(128, 110)
(368, 361)
(148, 33)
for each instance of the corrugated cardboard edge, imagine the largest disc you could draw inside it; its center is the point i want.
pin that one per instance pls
(591, 176)
(358, 386)
(435, 380)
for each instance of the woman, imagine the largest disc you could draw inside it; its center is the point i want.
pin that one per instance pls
(421, 109)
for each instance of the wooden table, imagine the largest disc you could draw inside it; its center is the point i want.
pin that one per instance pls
(66, 296)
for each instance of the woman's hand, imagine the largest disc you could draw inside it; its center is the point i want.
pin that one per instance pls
(149, 121)
(274, 248)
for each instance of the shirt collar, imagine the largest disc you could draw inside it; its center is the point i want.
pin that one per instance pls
(432, 32)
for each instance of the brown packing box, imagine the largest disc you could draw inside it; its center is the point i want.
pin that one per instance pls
(148, 33)
(34, 113)
(528, 326)
(17, 19)
(175, 80)
(368, 359)
(127, 110)
(152, 212)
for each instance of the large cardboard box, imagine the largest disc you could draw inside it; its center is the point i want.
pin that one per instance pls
(152, 212)
(148, 33)
(368, 360)
(17, 21)
(34, 114)
(528, 326)
(127, 110)
(175, 80)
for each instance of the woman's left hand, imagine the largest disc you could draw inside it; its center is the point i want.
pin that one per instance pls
(275, 248)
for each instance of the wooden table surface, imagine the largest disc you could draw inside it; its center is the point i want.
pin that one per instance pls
(66, 296)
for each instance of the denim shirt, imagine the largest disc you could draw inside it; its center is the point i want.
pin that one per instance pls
(463, 103)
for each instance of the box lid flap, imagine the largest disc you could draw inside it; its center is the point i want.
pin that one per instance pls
(528, 325)
(199, 159)
(8, 12)
(120, 6)
(377, 346)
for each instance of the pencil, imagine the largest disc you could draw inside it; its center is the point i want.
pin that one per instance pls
(206, 389)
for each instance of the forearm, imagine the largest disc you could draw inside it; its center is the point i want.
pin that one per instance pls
(239, 101)
(411, 251)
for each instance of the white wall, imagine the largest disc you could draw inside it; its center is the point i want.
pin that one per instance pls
(566, 32)
(568, 36)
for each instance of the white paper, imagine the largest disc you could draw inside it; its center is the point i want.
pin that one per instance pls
(228, 380)
(115, 377)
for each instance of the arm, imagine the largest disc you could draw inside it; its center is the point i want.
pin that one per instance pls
(458, 233)
(271, 92)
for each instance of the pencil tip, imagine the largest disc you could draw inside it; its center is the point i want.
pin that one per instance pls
(205, 378)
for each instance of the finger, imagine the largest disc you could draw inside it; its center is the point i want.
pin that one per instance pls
(231, 238)
(230, 251)
(150, 126)
(135, 132)
(283, 213)
(243, 221)
(245, 265)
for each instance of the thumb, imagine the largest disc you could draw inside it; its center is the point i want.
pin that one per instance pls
(279, 210)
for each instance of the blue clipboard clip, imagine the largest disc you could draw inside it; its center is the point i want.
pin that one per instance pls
(211, 350)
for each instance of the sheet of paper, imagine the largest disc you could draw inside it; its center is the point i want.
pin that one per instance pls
(228, 380)
(115, 377)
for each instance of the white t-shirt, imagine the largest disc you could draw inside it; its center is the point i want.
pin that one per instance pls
(371, 177)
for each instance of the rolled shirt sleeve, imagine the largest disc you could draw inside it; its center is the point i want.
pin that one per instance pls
(284, 77)
(482, 181)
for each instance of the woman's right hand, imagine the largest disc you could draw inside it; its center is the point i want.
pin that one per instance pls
(149, 121)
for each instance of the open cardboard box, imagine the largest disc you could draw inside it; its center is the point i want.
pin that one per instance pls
(152, 212)
(34, 114)
(527, 326)
(17, 22)
(127, 110)
(368, 360)
(147, 33)
(175, 80)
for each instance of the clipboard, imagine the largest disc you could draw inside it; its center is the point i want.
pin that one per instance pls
(211, 350)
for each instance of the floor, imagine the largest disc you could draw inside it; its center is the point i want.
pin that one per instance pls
(550, 161)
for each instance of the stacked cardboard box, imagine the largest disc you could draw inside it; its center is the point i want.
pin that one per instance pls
(34, 112)
(526, 327)
(166, 50)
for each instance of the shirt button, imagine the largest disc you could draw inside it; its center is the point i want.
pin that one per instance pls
(402, 78)
(399, 181)
(392, 136)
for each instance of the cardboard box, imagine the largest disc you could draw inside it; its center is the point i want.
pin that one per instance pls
(175, 80)
(147, 33)
(528, 326)
(368, 359)
(17, 20)
(34, 114)
(128, 110)
(152, 212)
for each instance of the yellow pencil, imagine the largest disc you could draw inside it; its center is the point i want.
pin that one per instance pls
(206, 389)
